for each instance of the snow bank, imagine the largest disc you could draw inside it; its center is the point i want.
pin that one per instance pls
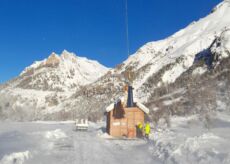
(105, 135)
(16, 158)
(55, 134)
(198, 149)
(186, 141)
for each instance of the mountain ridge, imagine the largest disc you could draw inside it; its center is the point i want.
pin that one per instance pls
(60, 72)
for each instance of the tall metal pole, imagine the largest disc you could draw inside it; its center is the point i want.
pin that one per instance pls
(127, 26)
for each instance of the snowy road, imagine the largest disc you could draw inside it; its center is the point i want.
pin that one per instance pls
(41, 143)
(186, 141)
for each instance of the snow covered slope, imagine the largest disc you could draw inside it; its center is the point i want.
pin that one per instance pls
(187, 141)
(169, 58)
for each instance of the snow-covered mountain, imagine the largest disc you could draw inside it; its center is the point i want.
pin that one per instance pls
(61, 73)
(167, 59)
(163, 74)
(46, 83)
(161, 71)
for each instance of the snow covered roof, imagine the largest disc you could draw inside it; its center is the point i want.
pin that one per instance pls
(110, 107)
(138, 104)
(142, 107)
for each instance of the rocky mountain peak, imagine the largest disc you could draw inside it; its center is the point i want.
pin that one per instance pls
(53, 59)
(66, 55)
(60, 73)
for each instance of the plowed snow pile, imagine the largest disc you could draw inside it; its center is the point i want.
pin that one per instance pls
(188, 141)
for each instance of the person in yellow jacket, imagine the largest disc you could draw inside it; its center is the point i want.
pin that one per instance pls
(147, 130)
(139, 130)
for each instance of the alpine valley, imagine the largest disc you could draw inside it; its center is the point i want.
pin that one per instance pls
(184, 74)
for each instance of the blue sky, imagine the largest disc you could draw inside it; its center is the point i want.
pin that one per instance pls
(31, 29)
